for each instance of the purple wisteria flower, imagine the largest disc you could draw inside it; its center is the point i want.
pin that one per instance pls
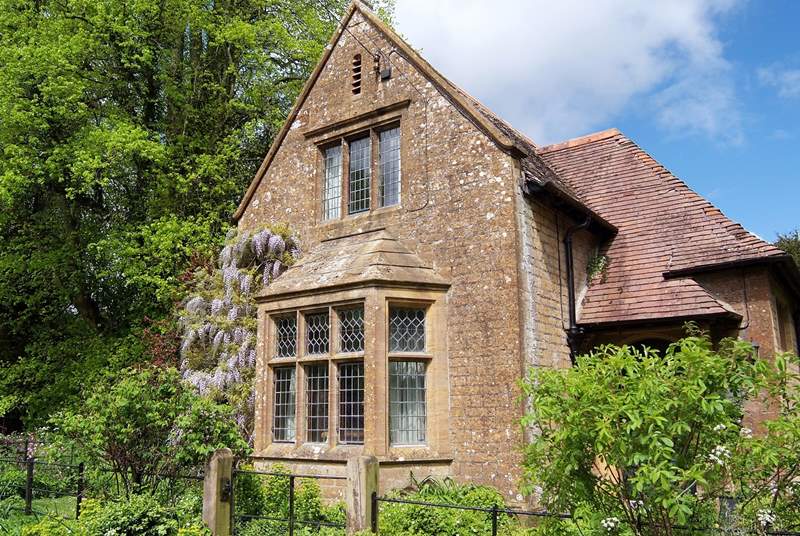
(276, 245)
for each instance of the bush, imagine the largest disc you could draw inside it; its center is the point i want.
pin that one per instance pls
(268, 495)
(407, 519)
(148, 422)
(647, 442)
(51, 526)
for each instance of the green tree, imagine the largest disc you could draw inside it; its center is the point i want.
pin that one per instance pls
(646, 442)
(790, 243)
(146, 423)
(129, 131)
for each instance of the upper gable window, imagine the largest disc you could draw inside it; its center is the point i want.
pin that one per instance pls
(389, 182)
(360, 175)
(358, 178)
(332, 183)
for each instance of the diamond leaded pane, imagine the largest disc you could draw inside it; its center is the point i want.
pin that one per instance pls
(317, 333)
(351, 330)
(286, 336)
(406, 329)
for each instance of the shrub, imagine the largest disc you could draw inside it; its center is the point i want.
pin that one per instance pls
(52, 526)
(407, 519)
(655, 440)
(268, 495)
(147, 422)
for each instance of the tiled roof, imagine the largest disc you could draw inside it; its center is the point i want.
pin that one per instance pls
(663, 226)
(368, 257)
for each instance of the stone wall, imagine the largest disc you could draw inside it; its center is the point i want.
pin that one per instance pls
(457, 211)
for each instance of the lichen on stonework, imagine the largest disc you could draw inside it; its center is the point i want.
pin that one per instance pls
(218, 320)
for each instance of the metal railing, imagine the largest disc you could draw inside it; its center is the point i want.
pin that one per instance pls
(496, 511)
(291, 520)
(70, 481)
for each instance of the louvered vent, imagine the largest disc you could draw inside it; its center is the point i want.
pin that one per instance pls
(356, 74)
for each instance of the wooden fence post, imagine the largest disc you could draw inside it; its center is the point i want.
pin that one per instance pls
(218, 492)
(362, 482)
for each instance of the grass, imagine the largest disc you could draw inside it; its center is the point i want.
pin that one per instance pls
(13, 518)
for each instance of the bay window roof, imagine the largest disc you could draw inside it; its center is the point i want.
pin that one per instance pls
(369, 258)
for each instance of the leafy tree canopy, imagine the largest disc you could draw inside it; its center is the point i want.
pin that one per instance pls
(643, 443)
(128, 132)
(790, 243)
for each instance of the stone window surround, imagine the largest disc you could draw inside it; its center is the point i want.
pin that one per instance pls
(376, 301)
(370, 123)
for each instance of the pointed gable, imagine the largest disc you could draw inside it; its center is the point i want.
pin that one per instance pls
(500, 132)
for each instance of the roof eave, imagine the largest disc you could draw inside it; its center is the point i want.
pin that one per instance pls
(639, 322)
(564, 201)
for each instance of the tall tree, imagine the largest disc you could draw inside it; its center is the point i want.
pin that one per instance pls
(790, 243)
(128, 131)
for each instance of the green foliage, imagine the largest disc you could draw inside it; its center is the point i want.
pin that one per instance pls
(138, 515)
(790, 243)
(129, 132)
(633, 435)
(145, 423)
(268, 495)
(407, 519)
(54, 526)
(597, 265)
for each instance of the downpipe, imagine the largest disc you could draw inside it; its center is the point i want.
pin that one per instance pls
(574, 332)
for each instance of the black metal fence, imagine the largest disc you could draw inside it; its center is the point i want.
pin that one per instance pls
(40, 483)
(495, 513)
(279, 520)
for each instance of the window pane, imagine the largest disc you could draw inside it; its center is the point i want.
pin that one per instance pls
(286, 331)
(332, 183)
(406, 329)
(359, 175)
(283, 423)
(389, 185)
(406, 402)
(317, 333)
(351, 403)
(317, 403)
(351, 330)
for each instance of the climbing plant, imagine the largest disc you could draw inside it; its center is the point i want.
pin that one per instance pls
(217, 319)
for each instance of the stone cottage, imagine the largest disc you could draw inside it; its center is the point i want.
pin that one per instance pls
(446, 254)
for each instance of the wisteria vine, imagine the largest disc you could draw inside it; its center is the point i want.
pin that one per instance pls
(218, 320)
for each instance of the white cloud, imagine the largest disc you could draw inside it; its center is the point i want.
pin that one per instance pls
(785, 81)
(561, 69)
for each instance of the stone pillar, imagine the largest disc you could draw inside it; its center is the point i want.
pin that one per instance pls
(362, 481)
(217, 492)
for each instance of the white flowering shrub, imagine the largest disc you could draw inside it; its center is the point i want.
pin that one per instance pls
(218, 319)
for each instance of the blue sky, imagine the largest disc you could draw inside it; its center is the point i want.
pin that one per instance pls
(711, 88)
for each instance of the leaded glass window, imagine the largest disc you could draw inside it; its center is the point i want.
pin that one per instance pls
(286, 336)
(317, 403)
(389, 184)
(283, 422)
(351, 403)
(407, 417)
(332, 183)
(351, 330)
(359, 175)
(317, 333)
(406, 329)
